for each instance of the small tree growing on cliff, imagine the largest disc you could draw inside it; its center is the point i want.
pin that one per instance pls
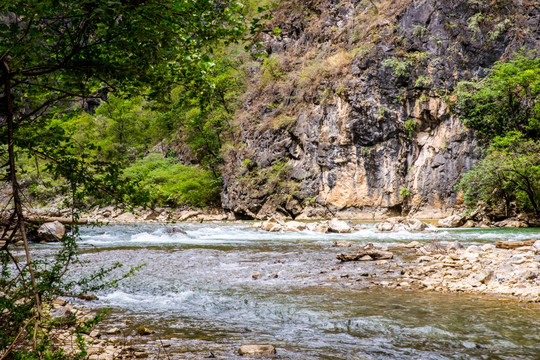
(54, 54)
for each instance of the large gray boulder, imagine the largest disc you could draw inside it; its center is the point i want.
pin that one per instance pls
(51, 231)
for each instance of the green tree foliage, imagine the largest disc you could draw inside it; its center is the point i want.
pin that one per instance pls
(504, 110)
(55, 54)
(507, 100)
(164, 181)
(203, 109)
(121, 128)
(509, 172)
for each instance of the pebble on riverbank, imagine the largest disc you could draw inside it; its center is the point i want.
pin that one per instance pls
(482, 269)
(105, 344)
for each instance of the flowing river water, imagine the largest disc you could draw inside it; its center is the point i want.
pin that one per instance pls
(197, 291)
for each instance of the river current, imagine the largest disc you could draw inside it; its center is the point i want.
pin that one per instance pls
(219, 286)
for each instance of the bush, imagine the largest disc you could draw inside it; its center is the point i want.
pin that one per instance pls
(164, 181)
(507, 100)
(504, 110)
(510, 172)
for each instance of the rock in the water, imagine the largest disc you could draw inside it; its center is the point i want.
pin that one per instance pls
(366, 253)
(401, 224)
(412, 244)
(339, 243)
(295, 226)
(51, 231)
(338, 226)
(273, 225)
(452, 221)
(322, 227)
(261, 350)
(175, 230)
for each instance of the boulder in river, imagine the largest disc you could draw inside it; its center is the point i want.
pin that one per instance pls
(260, 350)
(401, 224)
(338, 226)
(295, 226)
(452, 221)
(368, 252)
(51, 231)
(341, 243)
(273, 225)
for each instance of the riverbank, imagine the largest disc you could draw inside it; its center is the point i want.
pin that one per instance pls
(482, 270)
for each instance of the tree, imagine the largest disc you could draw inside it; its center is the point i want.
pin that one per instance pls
(504, 111)
(509, 172)
(55, 54)
(507, 100)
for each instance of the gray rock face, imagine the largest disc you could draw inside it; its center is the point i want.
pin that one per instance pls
(51, 231)
(355, 137)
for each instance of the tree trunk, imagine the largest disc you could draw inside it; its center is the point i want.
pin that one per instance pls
(17, 204)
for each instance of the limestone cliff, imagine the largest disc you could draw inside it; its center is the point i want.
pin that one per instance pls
(351, 115)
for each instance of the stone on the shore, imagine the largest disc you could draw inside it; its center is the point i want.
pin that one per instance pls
(143, 330)
(468, 224)
(338, 226)
(259, 350)
(51, 231)
(188, 214)
(514, 244)
(511, 223)
(452, 221)
(62, 312)
(113, 331)
(126, 217)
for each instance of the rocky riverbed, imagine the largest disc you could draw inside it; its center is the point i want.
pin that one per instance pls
(212, 288)
(473, 269)
(511, 269)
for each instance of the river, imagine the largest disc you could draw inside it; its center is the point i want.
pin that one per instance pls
(199, 293)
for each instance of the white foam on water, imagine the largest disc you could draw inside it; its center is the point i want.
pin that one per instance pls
(245, 235)
(145, 300)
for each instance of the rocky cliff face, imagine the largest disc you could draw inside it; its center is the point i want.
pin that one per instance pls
(351, 115)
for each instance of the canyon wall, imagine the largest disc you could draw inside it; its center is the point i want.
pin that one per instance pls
(352, 115)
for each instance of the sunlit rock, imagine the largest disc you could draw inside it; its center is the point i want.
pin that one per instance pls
(452, 221)
(339, 226)
(51, 231)
(257, 350)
